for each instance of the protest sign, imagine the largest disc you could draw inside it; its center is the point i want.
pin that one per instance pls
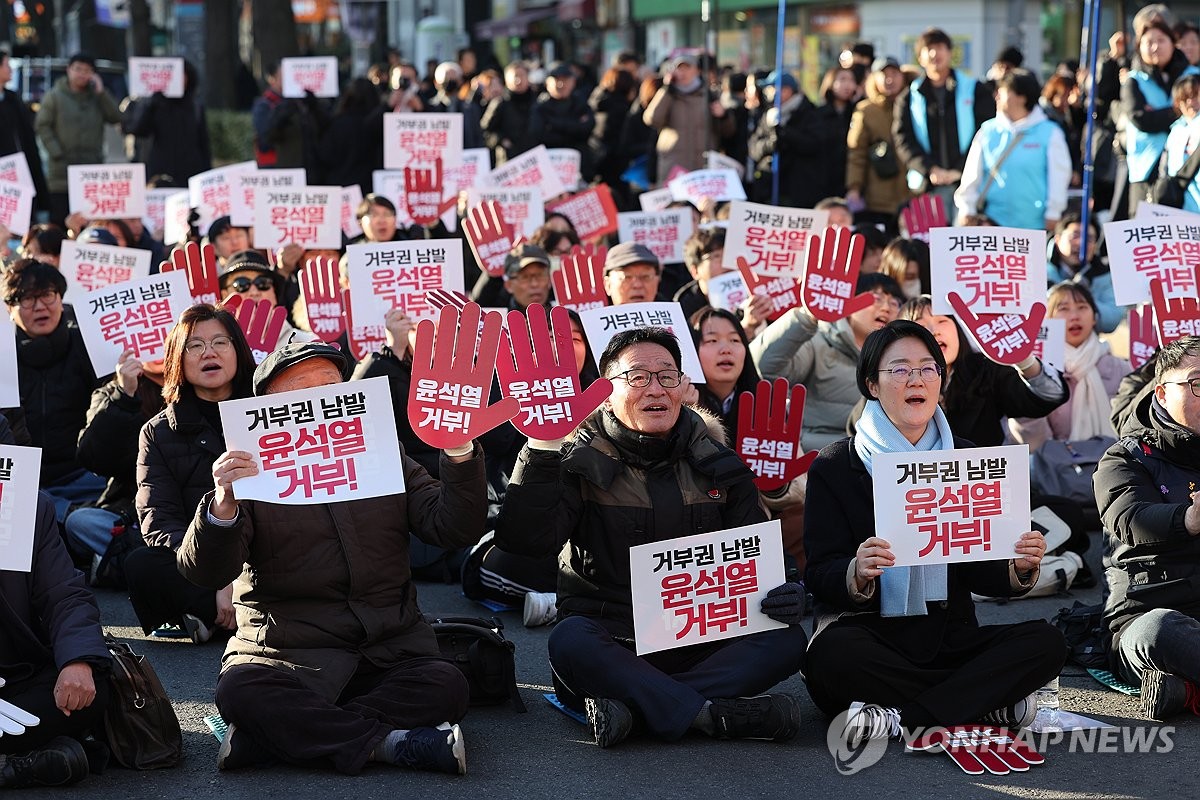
(579, 279)
(566, 163)
(107, 191)
(1148, 210)
(490, 236)
(20, 473)
(831, 268)
(322, 298)
(15, 169)
(322, 445)
(94, 266)
(1143, 336)
(10, 390)
(389, 183)
(664, 232)
(1051, 344)
(1162, 250)
(16, 207)
(958, 505)
(701, 185)
(922, 214)
(522, 208)
(351, 199)
(783, 291)
(155, 218)
(418, 140)
(310, 216)
(316, 74)
(1175, 316)
(388, 275)
(528, 170)
(241, 201)
(136, 315)
(656, 199)
(727, 291)
(601, 324)
(771, 239)
(211, 192)
(363, 339)
(592, 212)
(149, 76)
(704, 588)
(994, 270)
(768, 433)
(715, 160)
(476, 162)
(176, 211)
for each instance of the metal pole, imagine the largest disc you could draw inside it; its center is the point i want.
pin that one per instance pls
(1088, 54)
(778, 99)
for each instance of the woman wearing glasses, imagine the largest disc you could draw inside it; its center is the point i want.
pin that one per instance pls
(248, 274)
(900, 647)
(207, 360)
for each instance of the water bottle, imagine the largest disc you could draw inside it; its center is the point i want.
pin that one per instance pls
(1047, 719)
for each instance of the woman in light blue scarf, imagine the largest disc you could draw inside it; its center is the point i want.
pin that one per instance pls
(898, 649)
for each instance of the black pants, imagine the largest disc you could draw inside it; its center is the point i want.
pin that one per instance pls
(36, 695)
(159, 594)
(297, 725)
(999, 665)
(493, 574)
(667, 689)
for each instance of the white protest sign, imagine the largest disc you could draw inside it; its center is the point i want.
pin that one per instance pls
(1148, 210)
(1051, 344)
(351, 199)
(715, 160)
(712, 184)
(530, 169)
(521, 208)
(20, 474)
(566, 163)
(136, 315)
(772, 239)
(241, 201)
(10, 388)
(15, 169)
(310, 216)
(107, 191)
(601, 324)
(149, 76)
(656, 199)
(389, 183)
(387, 275)
(16, 207)
(420, 140)
(946, 506)
(155, 218)
(664, 232)
(1165, 250)
(704, 588)
(322, 445)
(476, 162)
(727, 291)
(994, 270)
(175, 218)
(211, 192)
(316, 74)
(94, 266)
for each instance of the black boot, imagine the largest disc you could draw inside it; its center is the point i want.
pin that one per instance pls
(61, 762)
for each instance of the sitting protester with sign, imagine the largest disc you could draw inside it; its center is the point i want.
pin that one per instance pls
(640, 469)
(248, 274)
(904, 651)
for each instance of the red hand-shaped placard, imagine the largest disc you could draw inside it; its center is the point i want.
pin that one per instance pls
(579, 282)
(768, 433)
(200, 266)
(922, 214)
(977, 749)
(364, 339)
(1143, 335)
(1175, 317)
(1004, 338)
(261, 321)
(536, 365)
(322, 298)
(423, 194)
(831, 273)
(452, 376)
(490, 236)
(782, 289)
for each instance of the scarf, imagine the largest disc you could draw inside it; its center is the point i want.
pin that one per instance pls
(1090, 406)
(904, 591)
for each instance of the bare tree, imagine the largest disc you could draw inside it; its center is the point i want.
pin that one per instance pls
(139, 28)
(220, 53)
(274, 32)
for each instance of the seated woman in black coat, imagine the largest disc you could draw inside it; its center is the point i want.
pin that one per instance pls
(901, 662)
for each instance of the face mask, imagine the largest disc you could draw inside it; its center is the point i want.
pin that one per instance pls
(911, 288)
(451, 86)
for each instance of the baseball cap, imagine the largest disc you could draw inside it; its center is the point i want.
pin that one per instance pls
(789, 81)
(561, 70)
(883, 62)
(522, 257)
(626, 254)
(94, 235)
(292, 354)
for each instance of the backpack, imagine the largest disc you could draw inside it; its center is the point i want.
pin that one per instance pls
(1087, 637)
(486, 659)
(1065, 469)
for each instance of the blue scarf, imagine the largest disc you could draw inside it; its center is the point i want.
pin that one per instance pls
(903, 591)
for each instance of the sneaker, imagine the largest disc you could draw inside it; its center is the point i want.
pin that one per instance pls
(866, 721)
(1165, 695)
(440, 749)
(196, 630)
(1015, 717)
(61, 762)
(540, 609)
(611, 720)
(775, 717)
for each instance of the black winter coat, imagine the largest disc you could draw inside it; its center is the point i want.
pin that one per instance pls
(981, 393)
(17, 136)
(179, 130)
(505, 125)
(399, 374)
(108, 444)
(564, 123)
(803, 143)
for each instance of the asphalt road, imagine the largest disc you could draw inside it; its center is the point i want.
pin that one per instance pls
(543, 754)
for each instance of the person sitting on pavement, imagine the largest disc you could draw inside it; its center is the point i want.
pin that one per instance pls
(644, 468)
(332, 664)
(247, 273)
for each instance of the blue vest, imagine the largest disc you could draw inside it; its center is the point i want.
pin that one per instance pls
(1142, 149)
(964, 113)
(1177, 156)
(1017, 197)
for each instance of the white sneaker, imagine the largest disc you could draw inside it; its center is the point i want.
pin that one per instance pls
(1015, 717)
(540, 609)
(867, 721)
(197, 630)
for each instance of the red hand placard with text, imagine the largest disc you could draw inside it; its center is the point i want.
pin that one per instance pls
(979, 749)
(261, 321)
(922, 214)
(1004, 338)
(768, 433)
(200, 265)
(322, 298)
(579, 282)
(423, 194)
(783, 290)
(831, 273)
(1143, 335)
(1176, 316)
(363, 339)
(490, 236)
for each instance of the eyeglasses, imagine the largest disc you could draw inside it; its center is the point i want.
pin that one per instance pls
(624, 276)
(640, 378)
(927, 373)
(885, 299)
(49, 299)
(243, 284)
(1193, 384)
(531, 276)
(219, 344)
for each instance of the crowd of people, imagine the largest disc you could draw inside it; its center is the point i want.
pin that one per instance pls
(328, 660)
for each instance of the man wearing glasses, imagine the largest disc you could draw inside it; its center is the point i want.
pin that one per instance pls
(55, 378)
(644, 468)
(631, 274)
(1148, 491)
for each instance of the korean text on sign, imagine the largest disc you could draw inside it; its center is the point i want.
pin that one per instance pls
(310, 216)
(463, 402)
(592, 212)
(767, 457)
(712, 184)
(93, 266)
(1164, 250)
(136, 315)
(16, 206)
(543, 401)
(521, 208)
(327, 444)
(957, 505)
(389, 275)
(773, 240)
(704, 588)
(532, 169)
(20, 470)
(418, 140)
(107, 191)
(664, 232)
(211, 192)
(994, 270)
(149, 76)
(241, 201)
(601, 324)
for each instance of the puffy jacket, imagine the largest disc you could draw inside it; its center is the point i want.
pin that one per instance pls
(610, 489)
(108, 444)
(802, 142)
(506, 125)
(564, 123)
(686, 128)
(319, 589)
(870, 125)
(71, 128)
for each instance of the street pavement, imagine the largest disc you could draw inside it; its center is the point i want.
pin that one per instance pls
(544, 754)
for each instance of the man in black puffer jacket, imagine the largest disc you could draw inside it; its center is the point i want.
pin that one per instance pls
(562, 119)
